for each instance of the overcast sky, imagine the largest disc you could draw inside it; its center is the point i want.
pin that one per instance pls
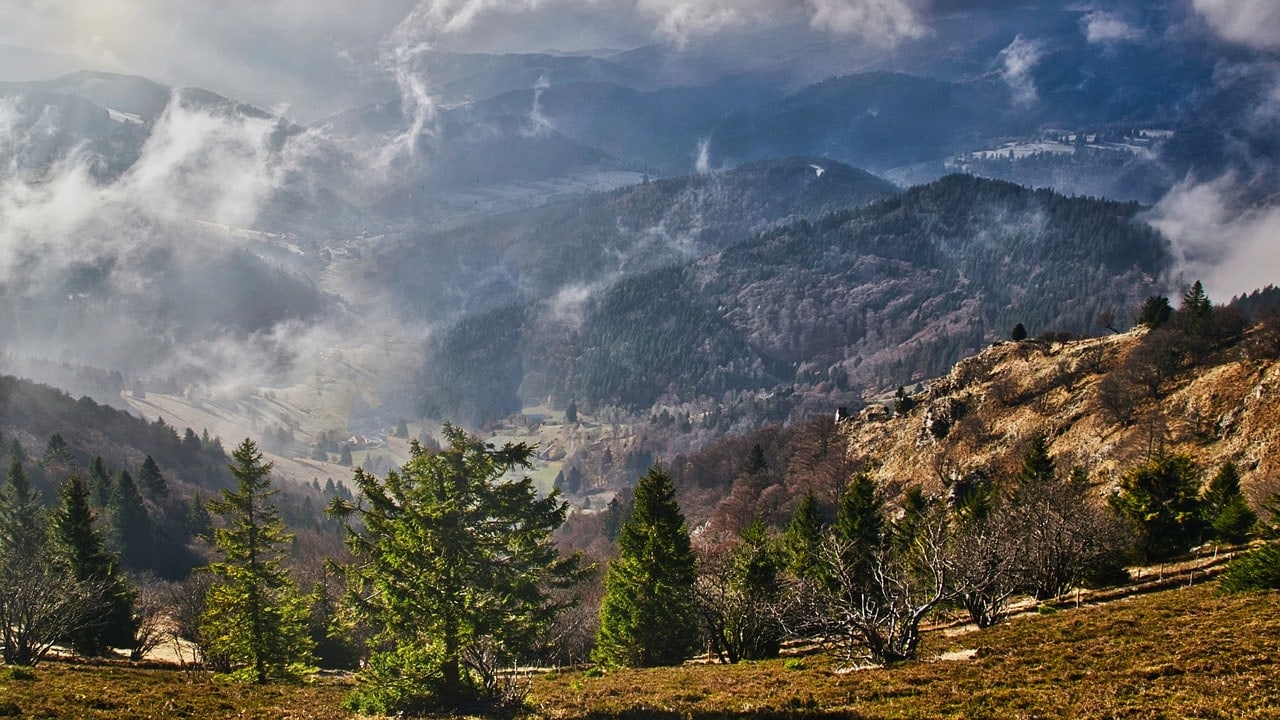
(281, 51)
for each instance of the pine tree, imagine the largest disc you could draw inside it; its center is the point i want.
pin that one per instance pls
(1161, 500)
(455, 561)
(345, 457)
(129, 527)
(1037, 466)
(571, 412)
(648, 615)
(56, 451)
(802, 541)
(151, 479)
(1019, 333)
(1225, 510)
(22, 521)
(83, 549)
(255, 617)
(860, 527)
(1155, 312)
(99, 482)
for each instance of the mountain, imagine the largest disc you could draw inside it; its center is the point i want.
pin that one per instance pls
(590, 241)
(863, 298)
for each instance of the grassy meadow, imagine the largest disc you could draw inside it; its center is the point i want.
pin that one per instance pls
(1179, 653)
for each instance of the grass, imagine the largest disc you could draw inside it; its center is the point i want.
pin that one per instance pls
(1178, 653)
(115, 692)
(1181, 653)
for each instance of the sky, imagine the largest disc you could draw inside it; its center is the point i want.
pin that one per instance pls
(282, 52)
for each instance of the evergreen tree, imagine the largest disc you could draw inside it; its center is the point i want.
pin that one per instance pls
(454, 563)
(571, 412)
(755, 460)
(1155, 312)
(151, 479)
(99, 482)
(254, 617)
(1037, 466)
(738, 597)
(860, 527)
(802, 541)
(83, 549)
(129, 527)
(1225, 510)
(22, 519)
(56, 451)
(1161, 500)
(648, 615)
(1019, 333)
(345, 457)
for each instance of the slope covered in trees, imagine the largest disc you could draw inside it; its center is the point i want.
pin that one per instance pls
(886, 294)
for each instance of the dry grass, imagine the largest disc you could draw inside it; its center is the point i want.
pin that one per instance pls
(1184, 653)
(88, 692)
(1179, 653)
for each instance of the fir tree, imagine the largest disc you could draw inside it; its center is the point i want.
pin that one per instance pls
(648, 615)
(56, 451)
(454, 563)
(99, 482)
(860, 527)
(151, 479)
(82, 548)
(254, 617)
(1225, 510)
(1161, 500)
(802, 541)
(1155, 312)
(1019, 333)
(22, 520)
(129, 524)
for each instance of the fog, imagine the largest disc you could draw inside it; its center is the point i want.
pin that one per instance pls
(232, 248)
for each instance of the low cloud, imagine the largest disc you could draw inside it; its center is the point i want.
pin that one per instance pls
(1255, 23)
(1105, 28)
(1232, 249)
(1017, 61)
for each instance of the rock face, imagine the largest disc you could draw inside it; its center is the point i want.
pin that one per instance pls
(978, 418)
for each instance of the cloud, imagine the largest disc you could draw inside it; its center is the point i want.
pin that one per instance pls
(1103, 27)
(1255, 23)
(1018, 60)
(1232, 249)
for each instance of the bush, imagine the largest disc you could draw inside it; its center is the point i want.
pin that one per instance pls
(1255, 570)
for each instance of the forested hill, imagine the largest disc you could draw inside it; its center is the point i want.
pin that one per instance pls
(590, 240)
(873, 297)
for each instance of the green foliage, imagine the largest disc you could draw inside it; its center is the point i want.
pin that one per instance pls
(129, 526)
(254, 616)
(648, 615)
(859, 530)
(82, 548)
(1224, 507)
(454, 564)
(1161, 500)
(1258, 569)
(738, 594)
(151, 479)
(99, 482)
(1037, 466)
(802, 541)
(1155, 312)
(1019, 333)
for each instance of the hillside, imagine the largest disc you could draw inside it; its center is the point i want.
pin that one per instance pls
(863, 298)
(976, 418)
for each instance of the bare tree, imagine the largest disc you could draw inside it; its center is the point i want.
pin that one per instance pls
(42, 602)
(876, 616)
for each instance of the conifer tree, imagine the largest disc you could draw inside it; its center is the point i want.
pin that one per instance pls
(1161, 500)
(22, 520)
(82, 548)
(454, 563)
(151, 479)
(1225, 510)
(129, 524)
(99, 482)
(648, 615)
(860, 527)
(254, 617)
(802, 541)
(56, 451)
